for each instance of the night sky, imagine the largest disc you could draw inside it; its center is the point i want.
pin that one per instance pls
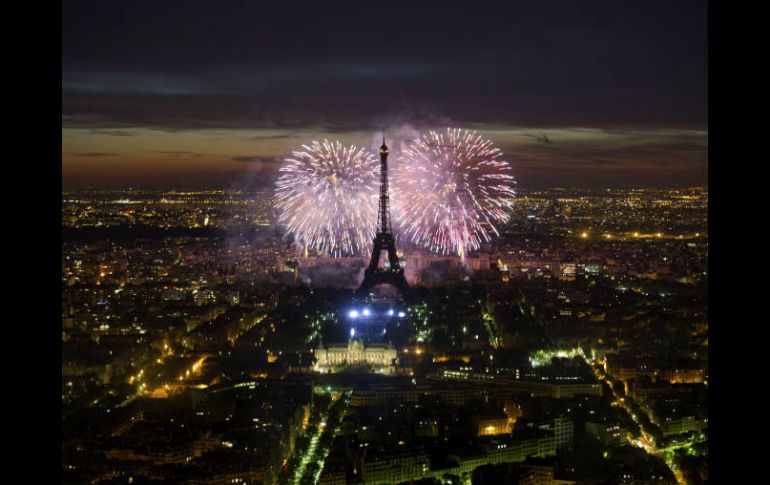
(183, 93)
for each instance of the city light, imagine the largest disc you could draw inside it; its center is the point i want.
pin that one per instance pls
(450, 348)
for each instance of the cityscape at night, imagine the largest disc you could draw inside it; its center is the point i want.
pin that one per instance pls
(295, 255)
(198, 342)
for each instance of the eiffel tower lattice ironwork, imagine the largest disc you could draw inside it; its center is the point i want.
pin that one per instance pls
(392, 274)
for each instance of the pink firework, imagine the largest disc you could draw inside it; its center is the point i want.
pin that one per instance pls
(450, 190)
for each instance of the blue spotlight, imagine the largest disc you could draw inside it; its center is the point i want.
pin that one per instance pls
(353, 313)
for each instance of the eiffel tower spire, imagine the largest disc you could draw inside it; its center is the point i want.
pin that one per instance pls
(383, 218)
(383, 241)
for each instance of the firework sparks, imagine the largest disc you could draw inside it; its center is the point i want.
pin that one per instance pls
(327, 197)
(450, 189)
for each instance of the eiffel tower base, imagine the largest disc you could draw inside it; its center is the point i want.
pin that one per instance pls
(382, 277)
(375, 275)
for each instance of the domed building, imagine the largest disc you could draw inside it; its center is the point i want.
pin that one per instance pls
(379, 355)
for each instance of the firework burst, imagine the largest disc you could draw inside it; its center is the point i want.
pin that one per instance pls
(326, 196)
(450, 189)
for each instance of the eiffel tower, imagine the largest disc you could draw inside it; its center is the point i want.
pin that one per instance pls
(375, 275)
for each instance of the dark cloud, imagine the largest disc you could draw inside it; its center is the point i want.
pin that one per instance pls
(280, 136)
(171, 113)
(541, 138)
(112, 132)
(612, 63)
(93, 154)
(256, 159)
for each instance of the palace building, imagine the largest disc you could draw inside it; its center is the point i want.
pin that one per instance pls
(379, 355)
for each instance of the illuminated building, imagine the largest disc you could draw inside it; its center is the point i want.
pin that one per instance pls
(608, 433)
(395, 468)
(682, 376)
(555, 388)
(568, 271)
(563, 432)
(385, 395)
(492, 425)
(381, 356)
(672, 425)
(624, 369)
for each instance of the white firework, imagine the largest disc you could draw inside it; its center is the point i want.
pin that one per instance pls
(327, 197)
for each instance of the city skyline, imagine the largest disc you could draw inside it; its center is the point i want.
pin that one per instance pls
(199, 343)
